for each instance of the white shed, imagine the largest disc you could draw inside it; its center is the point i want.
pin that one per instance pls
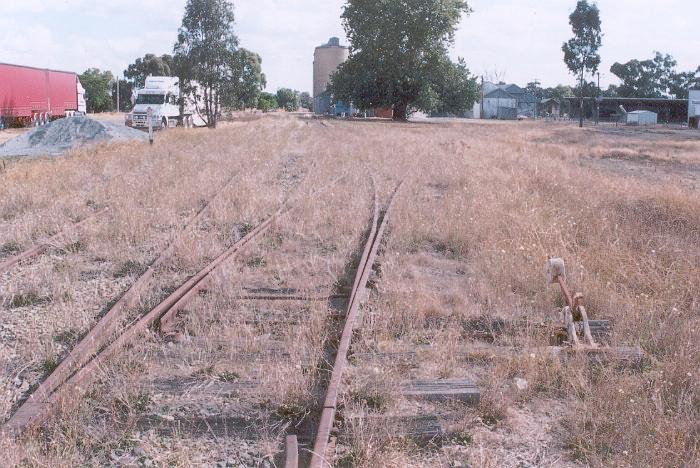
(642, 117)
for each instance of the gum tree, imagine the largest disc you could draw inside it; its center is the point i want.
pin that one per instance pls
(581, 51)
(398, 56)
(207, 53)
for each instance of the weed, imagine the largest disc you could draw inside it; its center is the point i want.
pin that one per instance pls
(256, 262)
(128, 268)
(10, 248)
(29, 299)
(67, 337)
(228, 376)
(48, 365)
(75, 247)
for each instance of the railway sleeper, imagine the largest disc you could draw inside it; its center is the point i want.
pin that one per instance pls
(619, 356)
(442, 390)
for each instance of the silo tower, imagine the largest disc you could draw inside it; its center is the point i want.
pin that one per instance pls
(327, 59)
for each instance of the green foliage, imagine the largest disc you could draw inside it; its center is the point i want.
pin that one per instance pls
(150, 64)
(288, 99)
(246, 82)
(267, 102)
(399, 56)
(306, 101)
(125, 90)
(207, 52)
(581, 51)
(655, 77)
(97, 86)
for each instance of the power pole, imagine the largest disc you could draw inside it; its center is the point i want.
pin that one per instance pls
(117, 94)
(481, 115)
(597, 107)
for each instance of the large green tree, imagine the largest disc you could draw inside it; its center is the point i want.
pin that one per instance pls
(398, 56)
(207, 53)
(150, 64)
(581, 51)
(246, 82)
(97, 86)
(655, 77)
(267, 102)
(288, 99)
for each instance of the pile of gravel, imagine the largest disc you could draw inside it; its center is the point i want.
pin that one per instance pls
(64, 134)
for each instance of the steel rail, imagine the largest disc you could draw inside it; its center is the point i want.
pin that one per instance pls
(361, 277)
(42, 247)
(39, 406)
(98, 336)
(37, 410)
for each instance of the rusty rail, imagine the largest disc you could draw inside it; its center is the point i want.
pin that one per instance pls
(86, 357)
(40, 406)
(41, 248)
(98, 336)
(361, 277)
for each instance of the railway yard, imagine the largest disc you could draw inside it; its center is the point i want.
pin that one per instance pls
(291, 290)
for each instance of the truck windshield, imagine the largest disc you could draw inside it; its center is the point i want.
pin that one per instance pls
(150, 99)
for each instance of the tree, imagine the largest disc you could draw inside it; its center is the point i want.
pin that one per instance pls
(247, 80)
(581, 51)
(655, 77)
(267, 102)
(206, 53)
(288, 99)
(125, 90)
(97, 86)
(306, 101)
(398, 49)
(453, 87)
(149, 65)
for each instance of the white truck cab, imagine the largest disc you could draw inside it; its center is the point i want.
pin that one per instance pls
(162, 95)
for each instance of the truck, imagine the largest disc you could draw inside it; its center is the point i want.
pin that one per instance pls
(169, 106)
(36, 96)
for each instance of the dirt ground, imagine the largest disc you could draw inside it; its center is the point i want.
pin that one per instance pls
(481, 209)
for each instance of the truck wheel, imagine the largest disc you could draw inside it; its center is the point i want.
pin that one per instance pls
(164, 124)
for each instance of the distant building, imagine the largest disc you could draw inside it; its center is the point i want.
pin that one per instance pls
(506, 102)
(327, 58)
(550, 107)
(694, 108)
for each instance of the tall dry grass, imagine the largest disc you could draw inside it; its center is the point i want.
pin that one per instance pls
(484, 206)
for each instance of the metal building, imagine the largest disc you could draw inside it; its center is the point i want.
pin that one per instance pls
(641, 118)
(327, 58)
(694, 108)
(506, 102)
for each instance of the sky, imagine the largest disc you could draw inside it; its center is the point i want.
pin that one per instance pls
(510, 40)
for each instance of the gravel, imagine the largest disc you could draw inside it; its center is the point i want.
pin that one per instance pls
(65, 134)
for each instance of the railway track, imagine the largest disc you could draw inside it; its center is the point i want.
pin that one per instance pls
(41, 247)
(72, 376)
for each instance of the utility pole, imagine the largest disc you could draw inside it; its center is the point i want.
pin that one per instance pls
(481, 115)
(117, 94)
(597, 109)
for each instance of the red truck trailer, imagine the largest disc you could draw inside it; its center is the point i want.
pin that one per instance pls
(36, 96)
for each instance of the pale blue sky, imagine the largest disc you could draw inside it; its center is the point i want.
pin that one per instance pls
(515, 40)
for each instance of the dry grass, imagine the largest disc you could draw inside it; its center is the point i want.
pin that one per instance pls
(469, 235)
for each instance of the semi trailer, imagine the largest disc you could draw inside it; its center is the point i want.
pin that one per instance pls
(35, 96)
(169, 106)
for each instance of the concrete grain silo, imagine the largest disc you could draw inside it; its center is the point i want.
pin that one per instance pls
(327, 58)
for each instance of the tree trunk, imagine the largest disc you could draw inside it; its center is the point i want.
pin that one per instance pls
(401, 111)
